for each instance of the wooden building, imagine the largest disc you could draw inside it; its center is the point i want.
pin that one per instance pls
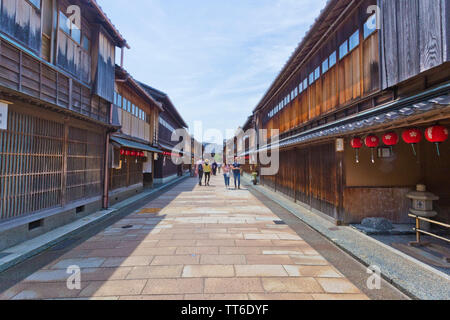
(247, 146)
(169, 121)
(361, 71)
(56, 90)
(135, 146)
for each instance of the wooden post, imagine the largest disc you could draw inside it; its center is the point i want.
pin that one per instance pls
(106, 173)
(70, 94)
(310, 177)
(295, 176)
(64, 172)
(417, 230)
(40, 80)
(20, 70)
(340, 179)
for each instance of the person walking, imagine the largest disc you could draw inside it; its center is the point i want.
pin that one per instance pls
(214, 168)
(200, 172)
(226, 175)
(236, 167)
(207, 170)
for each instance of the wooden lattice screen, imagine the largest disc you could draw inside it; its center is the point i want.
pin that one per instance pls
(84, 164)
(129, 174)
(136, 168)
(119, 176)
(31, 165)
(32, 162)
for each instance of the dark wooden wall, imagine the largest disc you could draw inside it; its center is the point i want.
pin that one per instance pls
(414, 38)
(309, 175)
(165, 168)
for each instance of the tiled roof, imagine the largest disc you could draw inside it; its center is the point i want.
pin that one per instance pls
(167, 103)
(120, 39)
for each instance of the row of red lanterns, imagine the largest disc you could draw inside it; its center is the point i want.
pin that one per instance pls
(434, 134)
(138, 154)
(170, 154)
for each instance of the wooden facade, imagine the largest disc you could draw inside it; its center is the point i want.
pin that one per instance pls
(169, 121)
(137, 115)
(352, 62)
(343, 69)
(55, 76)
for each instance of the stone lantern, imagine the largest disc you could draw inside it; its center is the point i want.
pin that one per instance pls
(422, 205)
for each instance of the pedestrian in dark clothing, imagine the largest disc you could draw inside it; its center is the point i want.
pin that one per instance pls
(214, 168)
(200, 173)
(236, 167)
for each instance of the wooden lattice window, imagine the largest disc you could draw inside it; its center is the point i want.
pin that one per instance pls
(136, 169)
(84, 164)
(31, 165)
(119, 177)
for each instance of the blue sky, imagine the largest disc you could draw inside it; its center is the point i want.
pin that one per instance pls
(215, 59)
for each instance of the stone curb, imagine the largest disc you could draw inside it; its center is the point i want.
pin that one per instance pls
(33, 247)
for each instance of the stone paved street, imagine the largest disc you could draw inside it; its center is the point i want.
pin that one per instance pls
(193, 243)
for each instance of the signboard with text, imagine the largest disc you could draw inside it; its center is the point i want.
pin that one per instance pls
(3, 116)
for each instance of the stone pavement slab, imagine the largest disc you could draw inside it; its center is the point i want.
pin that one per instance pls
(211, 243)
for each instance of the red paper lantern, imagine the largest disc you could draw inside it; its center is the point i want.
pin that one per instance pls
(127, 153)
(122, 152)
(356, 144)
(133, 153)
(412, 137)
(391, 139)
(372, 142)
(437, 135)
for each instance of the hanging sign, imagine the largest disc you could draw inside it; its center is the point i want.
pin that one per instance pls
(3, 116)
(340, 145)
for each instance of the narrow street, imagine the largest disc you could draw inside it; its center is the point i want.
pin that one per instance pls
(197, 243)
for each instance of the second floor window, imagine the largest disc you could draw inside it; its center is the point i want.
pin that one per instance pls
(69, 28)
(332, 60)
(343, 49)
(325, 66)
(370, 26)
(317, 74)
(354, 40)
